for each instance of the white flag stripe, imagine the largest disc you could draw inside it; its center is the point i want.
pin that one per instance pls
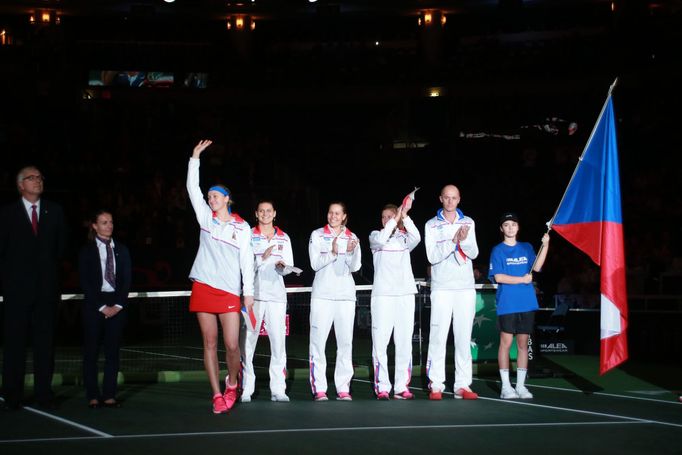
(610, 318)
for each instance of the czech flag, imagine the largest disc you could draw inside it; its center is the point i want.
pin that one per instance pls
(589, 216)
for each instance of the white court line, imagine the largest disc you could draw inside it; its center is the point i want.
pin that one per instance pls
(563, 389)
(68, 422)
(557, 408)
(533, 404)
(615, 395)
(318, 430)
(159, 354)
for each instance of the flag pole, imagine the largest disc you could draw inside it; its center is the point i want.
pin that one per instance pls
(575, 171)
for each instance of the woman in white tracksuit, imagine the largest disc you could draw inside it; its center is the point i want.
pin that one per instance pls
(393, 300)
(272, 250)
(334, 255)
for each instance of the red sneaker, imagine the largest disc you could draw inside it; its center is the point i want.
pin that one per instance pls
(406, 395)
(382, 396)
(435, 396)
(320, 396)
(344, 396)
(464, 394)
(219, 406)
(230, 395)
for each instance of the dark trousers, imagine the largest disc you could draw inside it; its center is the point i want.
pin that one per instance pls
(107, 333)
(34, 318)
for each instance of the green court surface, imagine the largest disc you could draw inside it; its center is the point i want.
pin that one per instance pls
(632, 409)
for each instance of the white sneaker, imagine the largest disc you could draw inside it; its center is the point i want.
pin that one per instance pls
(524, 393)
(282, 398)
(508, 393)
(245, 399)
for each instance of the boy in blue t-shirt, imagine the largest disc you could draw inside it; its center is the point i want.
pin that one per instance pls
(510, 268)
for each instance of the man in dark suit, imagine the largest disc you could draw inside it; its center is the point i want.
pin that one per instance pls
(32, 242)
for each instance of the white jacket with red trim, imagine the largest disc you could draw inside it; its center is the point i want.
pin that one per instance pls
(391, 249)
(333, 274)
(225, 259)
(269, 283)
(451, 267)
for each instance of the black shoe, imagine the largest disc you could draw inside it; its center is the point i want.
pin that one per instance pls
(50, 405)
(10, 406)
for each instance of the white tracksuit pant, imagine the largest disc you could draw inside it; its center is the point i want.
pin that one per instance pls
(324, 313)
(460, 308)
(392, 314)
(274, 314)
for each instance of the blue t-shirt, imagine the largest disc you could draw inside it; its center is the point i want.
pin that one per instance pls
(514, 261)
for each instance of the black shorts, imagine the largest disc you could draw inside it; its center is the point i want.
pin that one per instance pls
(516, 323)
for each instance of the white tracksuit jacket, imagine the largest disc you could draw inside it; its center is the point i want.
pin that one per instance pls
(391, 256)
(451, 267)
(225, 259)
(269, 283)
(333, 274)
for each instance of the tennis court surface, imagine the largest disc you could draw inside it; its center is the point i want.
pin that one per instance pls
(630, 410)
(167, 400)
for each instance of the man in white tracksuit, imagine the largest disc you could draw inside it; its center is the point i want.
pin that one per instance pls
(393, 293)
(272, 250)
(450, 239)
(334, 255)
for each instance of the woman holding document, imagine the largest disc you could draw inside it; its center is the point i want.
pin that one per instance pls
(273, 260)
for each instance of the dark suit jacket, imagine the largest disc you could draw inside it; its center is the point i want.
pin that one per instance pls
(29, 264)
(90, 272)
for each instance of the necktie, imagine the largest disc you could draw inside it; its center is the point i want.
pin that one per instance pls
(109, 273)
(34, 219)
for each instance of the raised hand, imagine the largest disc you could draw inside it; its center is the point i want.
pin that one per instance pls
(200, 147)
(350, 246)
(402, 213)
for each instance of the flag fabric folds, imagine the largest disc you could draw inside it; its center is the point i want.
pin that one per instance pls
(589, 216)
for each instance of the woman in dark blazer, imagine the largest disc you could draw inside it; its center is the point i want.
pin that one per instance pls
(105, 275)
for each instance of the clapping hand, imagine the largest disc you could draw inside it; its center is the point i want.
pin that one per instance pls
(461, 234)
(267, 252)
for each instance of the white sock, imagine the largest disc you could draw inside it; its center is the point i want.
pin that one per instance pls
(521, 377)
(504, 374)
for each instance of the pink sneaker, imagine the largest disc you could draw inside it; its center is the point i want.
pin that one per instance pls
(464, 394)
(230, 395)
(406, 395)
(382, 396)
(435, 396)
(219, 406)
(344, 396)
(320, 396)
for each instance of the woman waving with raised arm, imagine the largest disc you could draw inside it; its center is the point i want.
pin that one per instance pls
(223, 270)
